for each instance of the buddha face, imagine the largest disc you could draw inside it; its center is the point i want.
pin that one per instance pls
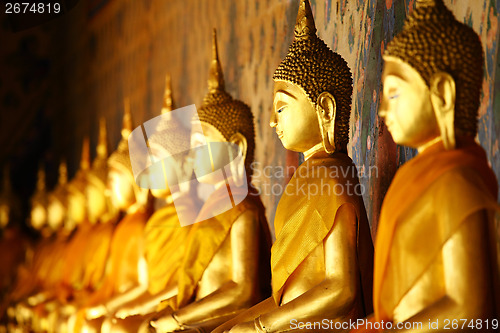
(4, 215)
(406, 105)
(121, 189)
(294, 118)
(213, 153)
(56, 214)
(76, 207)
(38, 216)
(162, 173)
(96, 201)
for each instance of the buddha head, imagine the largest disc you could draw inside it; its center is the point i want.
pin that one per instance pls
(97, 198)
(432, 78)
(38, 214)
(312, 92)
(228, 130)
(57, 208)
(170, 136)
(122, 188)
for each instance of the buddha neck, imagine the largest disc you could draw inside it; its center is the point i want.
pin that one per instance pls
(135, 207)
(317, 151)
(428, 144)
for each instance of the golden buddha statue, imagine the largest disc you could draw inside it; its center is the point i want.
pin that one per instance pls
(225, 266)
(53, 257)
(38, 213)
(101, 215)
(321, 261)
(165, 237)
(57, 220)
(77, 204)
(64, 267)
(89, 241)
(90, 245)
(126, 277)
(435, 262)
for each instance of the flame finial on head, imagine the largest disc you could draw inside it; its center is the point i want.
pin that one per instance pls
(127, 119)
(120, 157)
(40, 179)
(167, 96)
(85, 158)
(216, 77)
(102, 143)
(305, 27)
(63, 173)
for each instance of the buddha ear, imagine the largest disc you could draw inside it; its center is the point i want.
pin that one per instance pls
(326, 110)
(237, 164)
(443, 96)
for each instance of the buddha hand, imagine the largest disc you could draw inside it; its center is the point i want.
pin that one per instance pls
(248, 327)
(96, 312)
(126, 312)
(166, 324)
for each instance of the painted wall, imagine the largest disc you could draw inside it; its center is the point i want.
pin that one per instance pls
(107, 50)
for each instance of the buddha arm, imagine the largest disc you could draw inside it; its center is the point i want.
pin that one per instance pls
(40, 297)
(146, 303)
(333, 297)
(116, 302)
(466, 278)
(240, 291)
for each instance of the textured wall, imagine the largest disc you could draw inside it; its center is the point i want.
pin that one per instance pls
(124, 48)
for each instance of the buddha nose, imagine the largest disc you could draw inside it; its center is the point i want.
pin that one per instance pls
(273, 121)
(382, 110)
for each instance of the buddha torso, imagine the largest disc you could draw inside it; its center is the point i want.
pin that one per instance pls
(295, 211)
(218, 272)
(451, 193)
(219, 268)
(96, 254)
(126, 250)
(165, 242)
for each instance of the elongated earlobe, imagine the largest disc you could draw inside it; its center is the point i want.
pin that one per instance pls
(326, 110)
(237, 163)
(443, 96)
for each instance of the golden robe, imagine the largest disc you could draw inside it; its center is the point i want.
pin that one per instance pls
(165, 241)
(51, 270)
(73, 265)
(305, 216)
(96, 255)
(126, 249)
(206, 237)
(429, 199)
(29, 276)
